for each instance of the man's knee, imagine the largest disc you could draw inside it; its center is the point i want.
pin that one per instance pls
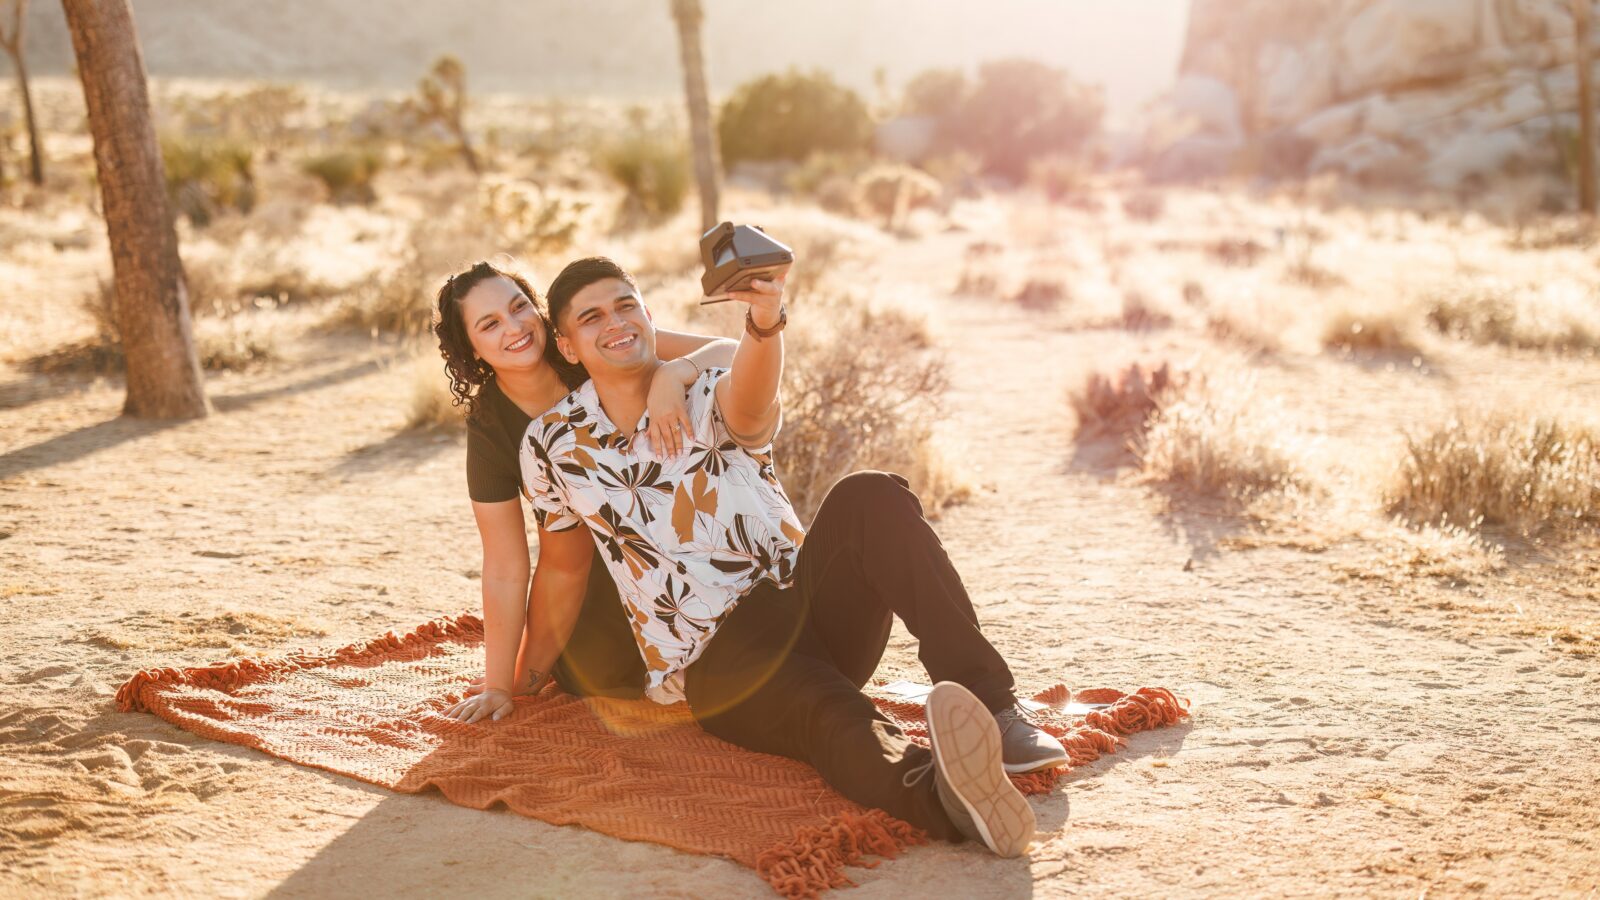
(873, 490)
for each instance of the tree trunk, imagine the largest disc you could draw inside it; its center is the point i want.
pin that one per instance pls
(36, 161)
(1580, 31)
(703, 140)
(152, 304)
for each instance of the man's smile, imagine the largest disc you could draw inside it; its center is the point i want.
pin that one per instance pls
(620, 342)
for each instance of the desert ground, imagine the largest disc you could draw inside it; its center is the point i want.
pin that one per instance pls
(1388, 700)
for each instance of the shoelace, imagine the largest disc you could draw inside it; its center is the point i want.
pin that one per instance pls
(915, 775)
(1018, 713)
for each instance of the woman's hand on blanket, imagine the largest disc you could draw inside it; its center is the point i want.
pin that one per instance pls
(525, 688)
(491, 703)
(668, 407)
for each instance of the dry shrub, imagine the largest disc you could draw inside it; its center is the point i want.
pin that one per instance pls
(891, 192)
(1061, 177)
(1040, 294)
(399, 300)
(1447, 551)
(1555, 317)
(1194, 294)
(653, 172)
(1139, 313)
(860, 393)
(1531, 474)
(1144, 206)
(1231, 326)
(1218, 438)
(1241, 252)
(206, 177)
(1118, 404)
(432, 405)
(347, 174)
(224, 340)
(829, 180)
(1385, 331)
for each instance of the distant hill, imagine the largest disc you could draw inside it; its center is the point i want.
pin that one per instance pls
(629, 47)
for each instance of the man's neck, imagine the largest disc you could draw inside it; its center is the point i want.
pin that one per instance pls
(532, 390)
(624, 394)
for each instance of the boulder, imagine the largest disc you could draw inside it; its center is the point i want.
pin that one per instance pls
(1401, 43)
(1212, 106)
(1196, 157)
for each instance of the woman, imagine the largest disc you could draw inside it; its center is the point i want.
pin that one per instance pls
(496, 340)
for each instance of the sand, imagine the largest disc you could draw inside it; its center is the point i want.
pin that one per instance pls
(1375, 736)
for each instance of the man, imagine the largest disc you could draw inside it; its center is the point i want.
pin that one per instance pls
(766, 630)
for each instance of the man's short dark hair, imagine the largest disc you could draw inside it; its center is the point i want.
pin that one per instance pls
(578, 275)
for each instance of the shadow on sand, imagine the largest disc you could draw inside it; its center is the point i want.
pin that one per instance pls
(90, 439)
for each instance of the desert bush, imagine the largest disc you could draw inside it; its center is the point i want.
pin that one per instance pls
(1060, 177)
(517, 217)
(347, 174)
(398, 300)
(1020, 110)
(1529, 473)
(1119, 403)
(1038, 293)
(936, 92)
(222, 343)
(791, 116)
(432, 405)
(1218, 438)
(890, 192)
(653, 172)
(1555, 317)
(1241, 252)
(1144, 206)
(206, 177)
(860, 392)
(1356, 330)
(829, 179)
(1140, 313)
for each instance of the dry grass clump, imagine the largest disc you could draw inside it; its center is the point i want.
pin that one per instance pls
(1040, 293)
(1139, 313)
(1376, 331)
(860, 394)
(207, 177)
(432, 405)
(1235, 252)
(1119, 403)
(225, 340)
(1218, 438)
(1144, 206)
(1531, 474)
(890, 192)
(653, 172)
(347, 174)
(1553, 317)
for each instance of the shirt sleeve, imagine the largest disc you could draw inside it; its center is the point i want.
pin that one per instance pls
(545, 491)
(492, 474)
(713, 410)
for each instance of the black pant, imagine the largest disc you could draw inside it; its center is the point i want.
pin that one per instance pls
(784, 672)
(601, 659)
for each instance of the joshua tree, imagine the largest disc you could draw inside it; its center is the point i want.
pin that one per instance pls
(688, 15)
(151, 302)
(1581, 13)
(442, 98)
(11, 42)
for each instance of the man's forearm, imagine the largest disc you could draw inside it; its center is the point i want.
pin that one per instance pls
(757, 370)
(553, 607)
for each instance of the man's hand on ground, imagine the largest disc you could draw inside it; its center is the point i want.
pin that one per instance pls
(491, 703)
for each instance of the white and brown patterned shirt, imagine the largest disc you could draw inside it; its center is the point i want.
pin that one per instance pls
(684, 537)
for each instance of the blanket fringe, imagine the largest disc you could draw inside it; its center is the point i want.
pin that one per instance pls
(815, 860)
(133, 695)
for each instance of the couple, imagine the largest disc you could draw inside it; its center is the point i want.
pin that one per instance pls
(708, 588)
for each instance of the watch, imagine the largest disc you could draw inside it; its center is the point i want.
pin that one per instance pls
(760, 333)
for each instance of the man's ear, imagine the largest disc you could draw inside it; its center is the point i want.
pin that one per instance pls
(565, 346)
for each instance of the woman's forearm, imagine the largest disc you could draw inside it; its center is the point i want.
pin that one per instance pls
(505, 613)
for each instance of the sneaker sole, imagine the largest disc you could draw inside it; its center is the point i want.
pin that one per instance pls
(967, 751)
(1025, 768)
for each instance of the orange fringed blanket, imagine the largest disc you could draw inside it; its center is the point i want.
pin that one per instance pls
(631, 769)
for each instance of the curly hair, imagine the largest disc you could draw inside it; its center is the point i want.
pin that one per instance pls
(467, 373)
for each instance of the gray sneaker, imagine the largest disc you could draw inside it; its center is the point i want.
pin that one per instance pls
(972, 786)
(1025, 746)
